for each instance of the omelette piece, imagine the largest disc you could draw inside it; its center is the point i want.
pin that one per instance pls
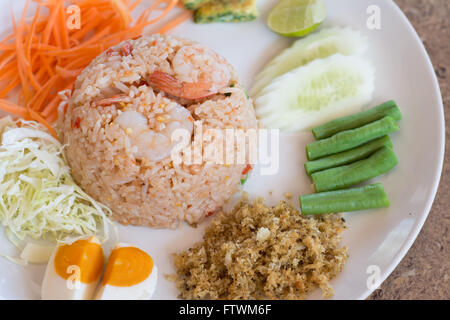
(194, 4)
(227, 11)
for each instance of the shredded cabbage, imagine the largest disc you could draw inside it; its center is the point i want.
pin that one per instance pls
(38, 197)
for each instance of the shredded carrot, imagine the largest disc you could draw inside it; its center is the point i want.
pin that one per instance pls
(13, 109)
(14, 83)
(124, 12)
(176, 21)
(43, 55)
(64, 73)
(37, 117)
(62, 24)
(38, 98)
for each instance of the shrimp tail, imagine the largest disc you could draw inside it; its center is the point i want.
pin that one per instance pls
(165, 82)
(169, 84)
(109, 101)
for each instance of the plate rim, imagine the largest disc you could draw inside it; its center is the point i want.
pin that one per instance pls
(437, 174)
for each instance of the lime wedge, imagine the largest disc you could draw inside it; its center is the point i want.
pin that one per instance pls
(296, 18)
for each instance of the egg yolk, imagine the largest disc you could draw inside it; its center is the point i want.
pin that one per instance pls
(84, 254)
(127, 266)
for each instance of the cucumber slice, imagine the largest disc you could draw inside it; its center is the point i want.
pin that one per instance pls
(316, 93)
(318, 45)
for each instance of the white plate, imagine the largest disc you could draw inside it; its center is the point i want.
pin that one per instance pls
(377, 238)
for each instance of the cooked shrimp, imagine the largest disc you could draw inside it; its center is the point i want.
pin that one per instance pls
(190, 91)
(132, 120)
(154, 144)
(199, 73)
(104, 102)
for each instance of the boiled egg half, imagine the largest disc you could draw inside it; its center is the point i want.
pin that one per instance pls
(130, 274)
(73, 271)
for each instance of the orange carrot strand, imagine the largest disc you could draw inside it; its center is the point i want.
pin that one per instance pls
(42, 56)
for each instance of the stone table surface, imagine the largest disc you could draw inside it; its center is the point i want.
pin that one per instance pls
(424, 271)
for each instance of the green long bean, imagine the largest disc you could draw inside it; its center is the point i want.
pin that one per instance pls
(346, 176)
(350, 139)
(367, 197)
(389, 108)
(349, 156)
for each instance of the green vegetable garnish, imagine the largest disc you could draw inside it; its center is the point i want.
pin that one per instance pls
(349, 156)
(349, 139)
(356, 120)
(227, 94)
(346, 176)
(246, 94)
(367, 197)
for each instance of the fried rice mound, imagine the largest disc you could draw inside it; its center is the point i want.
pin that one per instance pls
(120, 117)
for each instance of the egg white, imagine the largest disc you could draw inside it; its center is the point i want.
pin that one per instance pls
(141, 291)
(54, 287)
